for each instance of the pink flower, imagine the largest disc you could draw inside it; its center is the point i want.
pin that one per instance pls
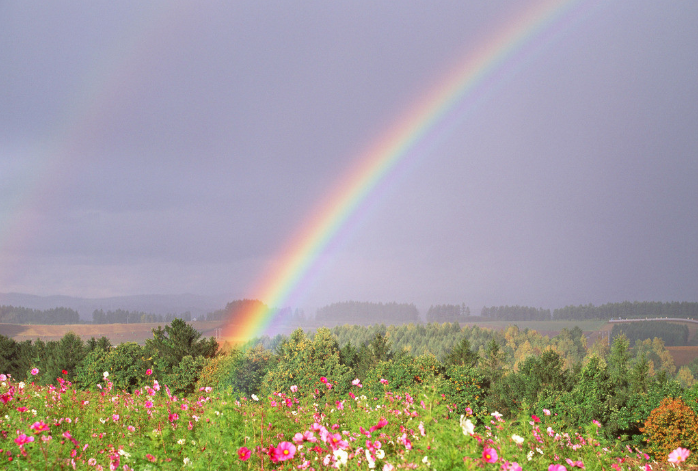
(578, 464)
(22, 439)
(285, 451)
(39, 427)
(148, 372)
(357, 382)
(35, 371)
(148, 404)
(244, 453)
(294, 388)
(546, 411)
(381, 423)
(536, 419)
(489, 455)
(383, 381)
(679, 455)
(514, 466)
(323, 380)
(556, 467)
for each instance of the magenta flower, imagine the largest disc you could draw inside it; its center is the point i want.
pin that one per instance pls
(489, 455)
(323, 380)
(148, 404)
(244, 453)
(556, 467)
(39, 427)
(148, 372)
(285, 451)
(383, 381)
(22, 439)
(679, 455)
(35, 371)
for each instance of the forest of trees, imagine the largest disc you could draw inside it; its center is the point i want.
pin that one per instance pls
(120, 316)
(628, 310)
(448, 313)
(23, 315)
(363, 313)
(516, 313)
(673, 335)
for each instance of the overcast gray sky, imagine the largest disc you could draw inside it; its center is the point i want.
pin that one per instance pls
(171, 147)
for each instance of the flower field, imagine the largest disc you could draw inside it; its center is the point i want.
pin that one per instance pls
(61, 427)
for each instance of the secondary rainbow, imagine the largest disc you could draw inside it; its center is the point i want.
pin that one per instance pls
(426, 119)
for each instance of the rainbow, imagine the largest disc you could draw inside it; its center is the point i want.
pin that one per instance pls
(430, 118)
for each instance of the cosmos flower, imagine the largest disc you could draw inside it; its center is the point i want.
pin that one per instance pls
(489, 455)
(679, 455)
(285, 451)
(244, 453)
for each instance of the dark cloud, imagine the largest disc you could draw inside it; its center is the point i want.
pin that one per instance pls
(176, 147)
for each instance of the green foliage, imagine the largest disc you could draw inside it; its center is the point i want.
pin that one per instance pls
(463, 387)
(183, 377)
(302, 362)
(15, 358)
(589, 398)
(672, 334)
(126, 365)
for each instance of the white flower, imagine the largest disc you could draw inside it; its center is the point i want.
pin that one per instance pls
(371, 461)
(467, 425)
(254, 397)
(425, 460)
(517, 439)
(21, 385)
(125, 454)
(105, 374)
(181, 441)
(186, 461)
(530, 455)
(380, 454)
(496, 415)
(341, 456)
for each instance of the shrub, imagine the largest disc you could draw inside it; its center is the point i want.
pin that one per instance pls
(673, 424)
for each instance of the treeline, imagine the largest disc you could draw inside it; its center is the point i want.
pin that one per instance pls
(516, 313)
(353, 312)
(628, 310)
(121, 316)
(23, 315)
(448, 313)
(673, 335)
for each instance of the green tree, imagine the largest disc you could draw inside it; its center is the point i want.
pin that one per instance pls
(178, 339)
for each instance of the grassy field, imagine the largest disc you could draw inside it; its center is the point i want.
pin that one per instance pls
(116, 333)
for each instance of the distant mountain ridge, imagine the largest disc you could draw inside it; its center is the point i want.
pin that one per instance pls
(163, 304)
